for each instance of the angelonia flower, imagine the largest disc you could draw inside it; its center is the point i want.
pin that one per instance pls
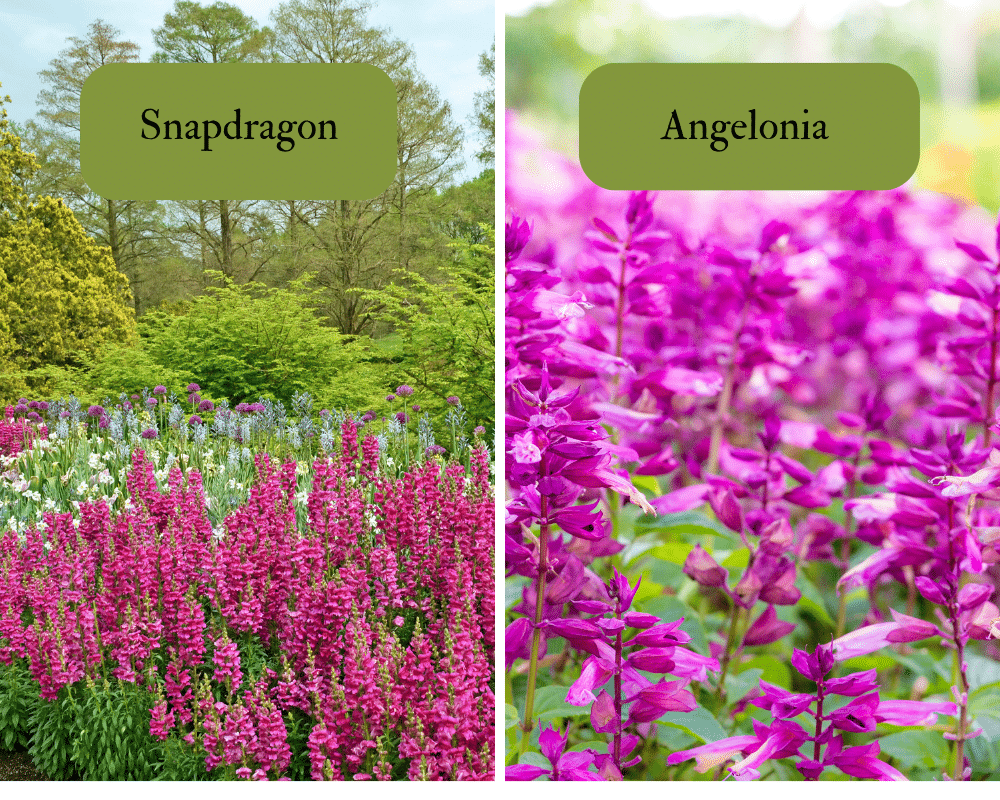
(819, 746)
(805, 391)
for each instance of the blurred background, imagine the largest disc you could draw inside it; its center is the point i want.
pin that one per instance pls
(951, 48)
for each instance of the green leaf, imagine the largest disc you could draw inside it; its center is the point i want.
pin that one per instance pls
(648, 484)
(984, 706)
(669, 608)
(688, 523)
(512, 717)
(737, 686)
(550, 703)
(917, 749)
(813, 602)
(674, 552)
(700, 723)
(772, 670)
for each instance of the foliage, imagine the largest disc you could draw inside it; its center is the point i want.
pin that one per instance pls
(17, 703)
(485, 113)
(213, 34)
(248, 341)
(53, 724)
(62, 296)
(112, 741)
(447, 329)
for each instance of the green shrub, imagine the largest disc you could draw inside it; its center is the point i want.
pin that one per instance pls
(111, 739)
(51, 746)
(18, 698)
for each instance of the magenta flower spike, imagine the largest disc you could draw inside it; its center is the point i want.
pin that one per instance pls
(564, 766)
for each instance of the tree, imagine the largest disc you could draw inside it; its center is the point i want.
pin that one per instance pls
(484, 116)
(357, 244)
(447, 331)
(215, 34)
(129, 227)
(61, 296)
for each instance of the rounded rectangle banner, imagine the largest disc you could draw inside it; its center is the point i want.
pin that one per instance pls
(257, 131)
(749, 126)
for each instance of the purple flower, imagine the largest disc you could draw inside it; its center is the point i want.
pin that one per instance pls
(453, 401)
(479, 430)
(709, 756)
(874, 637)
(149, 433)
(195, 420)
(193, 387)
(404, 390)
(402, 417)
(159, 390)
(767, 628)
(151, 402)
(416, 408)
(913, 712)
(564, 766)
(390, 397)
(206, 405)
(434, 450)
(95, 411)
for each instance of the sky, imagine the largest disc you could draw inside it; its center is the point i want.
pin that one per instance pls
(447, 36)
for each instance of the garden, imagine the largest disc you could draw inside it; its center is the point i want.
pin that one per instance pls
(752, 520)
(193, 591)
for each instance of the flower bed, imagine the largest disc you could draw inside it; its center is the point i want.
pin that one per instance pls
(332, 618)
(753, 483)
